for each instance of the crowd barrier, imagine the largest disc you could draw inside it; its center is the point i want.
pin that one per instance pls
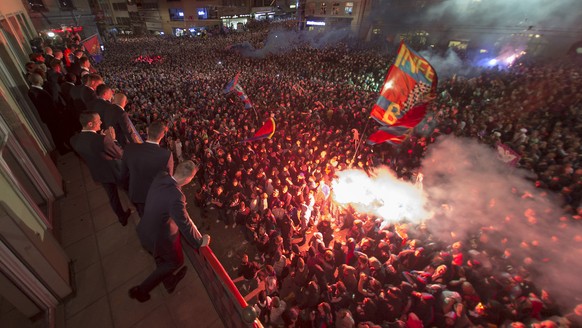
(227, 300)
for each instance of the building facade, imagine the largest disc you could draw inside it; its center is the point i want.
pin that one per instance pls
(34, 269)
(49, 15)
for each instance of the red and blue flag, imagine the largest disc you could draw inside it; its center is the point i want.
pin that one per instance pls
(265, 132)
(402, 104)
(234, 86)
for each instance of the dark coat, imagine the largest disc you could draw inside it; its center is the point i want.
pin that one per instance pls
(100, 154)
(116, 117)
(141, 163)
(43, 102)
(165, 217)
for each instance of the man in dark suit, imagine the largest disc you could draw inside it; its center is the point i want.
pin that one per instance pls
(101, 103)
(75, 67)
(164, 220)
(100, 153)
(115, 115)
(47, 111)
(84, 94)
(142, 162)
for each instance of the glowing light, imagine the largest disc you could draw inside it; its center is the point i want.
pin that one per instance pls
(315, 23)
(492, 62)
(383, 195)
(510, 59)
(388, 85)
(51, 34)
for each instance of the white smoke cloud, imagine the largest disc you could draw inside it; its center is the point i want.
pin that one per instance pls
(563, 14)
(280, 41)
(471, 189)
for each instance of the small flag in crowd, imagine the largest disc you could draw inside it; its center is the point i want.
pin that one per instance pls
(507, 155)
(265, 132)
(233, 86)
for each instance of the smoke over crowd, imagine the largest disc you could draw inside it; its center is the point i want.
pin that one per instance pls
(469, 195)
(280, 41)
(477, 193)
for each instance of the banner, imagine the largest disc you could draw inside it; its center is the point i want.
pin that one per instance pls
(92, 46)
(407, 83)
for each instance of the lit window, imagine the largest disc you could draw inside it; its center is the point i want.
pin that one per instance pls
(349, 8)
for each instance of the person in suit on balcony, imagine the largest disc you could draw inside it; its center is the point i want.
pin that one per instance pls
(166, 219)
(101, 155)
(142, 162)
(101, 103)
(115, 115)
(47, 111)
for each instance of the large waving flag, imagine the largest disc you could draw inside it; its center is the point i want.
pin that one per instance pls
(265, 132)
(402, 102)
(409, 79)
(233, 86)
(381, 136)
(399, 131)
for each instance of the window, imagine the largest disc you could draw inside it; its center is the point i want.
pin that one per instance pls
(335, 8)
(310, 9)
(349, 8)
(323, 9)
(202, 13)
(176, 14)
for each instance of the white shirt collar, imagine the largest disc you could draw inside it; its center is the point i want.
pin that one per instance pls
(153, 142)
(36, 86)
(89, 131)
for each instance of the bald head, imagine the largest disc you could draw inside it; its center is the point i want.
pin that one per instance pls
(36, 79)
(120, 99)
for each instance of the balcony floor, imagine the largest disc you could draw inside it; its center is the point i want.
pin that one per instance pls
(108, 260)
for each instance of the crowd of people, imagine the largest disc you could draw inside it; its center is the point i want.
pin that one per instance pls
(276, 191)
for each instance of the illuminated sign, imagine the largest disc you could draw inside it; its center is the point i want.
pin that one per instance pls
(315, 23)
(201, 12)
(181, 14)
(292, 6)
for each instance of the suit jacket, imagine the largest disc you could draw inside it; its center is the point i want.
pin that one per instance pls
(66, 95)
(43, 102)
(77, 93)
(101, 155)
(165, 217)
(100, 106)
(142, 162)
(87, 95)
(75, 68)
(116, 117)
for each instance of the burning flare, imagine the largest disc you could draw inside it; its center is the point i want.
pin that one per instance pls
(380, 193)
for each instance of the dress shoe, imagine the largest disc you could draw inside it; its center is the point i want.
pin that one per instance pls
(123, 219)
(138, 294)
(171, 286)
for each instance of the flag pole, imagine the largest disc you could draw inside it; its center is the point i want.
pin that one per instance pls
(360, 143)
